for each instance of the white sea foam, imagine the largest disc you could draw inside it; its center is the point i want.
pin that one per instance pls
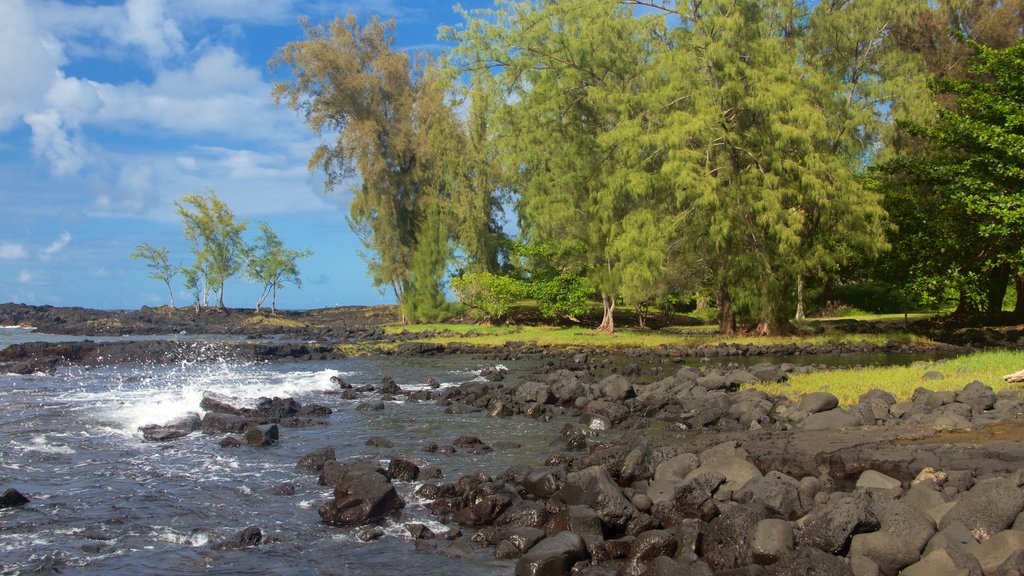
(44, 445)
(26, 328)
(168, 534)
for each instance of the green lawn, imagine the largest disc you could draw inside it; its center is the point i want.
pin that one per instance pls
(901, 381)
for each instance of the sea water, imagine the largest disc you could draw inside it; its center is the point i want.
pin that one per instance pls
(103, 501)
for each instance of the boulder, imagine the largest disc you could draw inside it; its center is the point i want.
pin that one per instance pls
(261, 436)
(177, 428)
(314, 461)
(873, 480)
(1000, 548)
(223, 423)
(403, 470)
(214, 402)
(988, 508)
(938, 563)
(898, 543)
(12, 498)
(727, 540)
(552, 556)
(594, 488)
(830, 527)
(777, 492)
(361, 497)
(543, 482)
(815, 402)
(809, 560)
(773, 539)
(834, 419)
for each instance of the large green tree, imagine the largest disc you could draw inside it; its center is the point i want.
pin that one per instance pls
(571, 77)
(216, 242)
(969, 175)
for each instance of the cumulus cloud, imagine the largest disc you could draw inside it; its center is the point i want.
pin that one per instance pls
(30, 60)
(51, 141)
(11, 251)
(26, 277)
(146, 26)
(57, 245)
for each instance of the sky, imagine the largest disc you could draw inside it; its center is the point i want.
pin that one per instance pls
(112, 110)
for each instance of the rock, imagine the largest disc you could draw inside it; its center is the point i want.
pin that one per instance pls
(815, 402)
(230, 442)
(388, 386)
(361, 498)
(283, 489)
(772, 540)
(830, 528)
(332, 472)
(403, 470)
(938, 563)
(371, 534)
(695, 497)
(420, 531)
(594, 488)
(177, 428)
(616, 388)
(12, 498)
(649, 545)
(727, 540)
(669, 474)
(872, 480)
(314, 461)
(554, 555)
(736, 470)
(927, 499)
(978, 396)
(779, 493)
(580, 520)
(1000, 547)
(379, 442)
(220, 422)
(834, 419)
(471, 443)
(988, 508)
(261, 436)
(543, 482)
(251, 536)
(214, 402)
(524, 537)
(809, 560)
(903, 534)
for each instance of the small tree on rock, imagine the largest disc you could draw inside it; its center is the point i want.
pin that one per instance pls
(157, 261)
(271, 264)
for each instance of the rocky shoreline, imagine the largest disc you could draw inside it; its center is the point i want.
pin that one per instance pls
(665, 468)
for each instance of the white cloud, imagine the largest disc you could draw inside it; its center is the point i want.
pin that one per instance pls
(146, 26)
(11, 251)
(50, 140)
(26, 277)
(57, 245)
(30, 60)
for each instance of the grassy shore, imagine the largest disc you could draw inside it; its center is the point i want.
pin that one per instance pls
(901, 381)
(576, 336)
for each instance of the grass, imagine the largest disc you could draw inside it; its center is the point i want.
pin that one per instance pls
(627, 337)
(273, 322)
(901, 381)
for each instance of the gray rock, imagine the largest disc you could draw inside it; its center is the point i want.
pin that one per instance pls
(523, 538)
(616, 388)
(830, 528)
(978, 396)
(594, 488)
(651, 544)
(834, 419)
(543, 482)
(314, 461)
(874, 480)
(403, 470)
(580, 520)
(779, 493)
(177, 428)
(927, 499)
(261, 436)
(552, 556)
(809, 561)
(694, 498)
(993, 553)
(773, 538)
(898, 543)
(361, 497)
(988, 508)
(534, 392)
(938, 563)
(736, 469)
(11, 498)
(222, 422)
(815, 402)
(727, 540)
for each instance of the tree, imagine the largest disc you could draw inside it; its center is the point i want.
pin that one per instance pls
(970, 171)
(272, 265)
(570, 77)
(394, 136)
(157, 261)
(216, 241)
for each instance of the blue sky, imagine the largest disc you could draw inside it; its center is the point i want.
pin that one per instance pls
(109, 111)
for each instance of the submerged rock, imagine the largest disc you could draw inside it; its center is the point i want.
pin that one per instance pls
(12, 498)
(177, 428)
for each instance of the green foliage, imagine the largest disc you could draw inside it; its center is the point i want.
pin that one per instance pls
(423, 299)
(271, 265)
(157, 261)
(490, 295)
(564, 296)
(216, 242)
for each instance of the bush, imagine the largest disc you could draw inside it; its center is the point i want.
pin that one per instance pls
(492, 296)
(563, 295)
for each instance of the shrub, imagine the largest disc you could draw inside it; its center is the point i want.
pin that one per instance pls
(564, 295)
(492, 296)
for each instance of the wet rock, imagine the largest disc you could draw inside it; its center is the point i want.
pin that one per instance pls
(553, 555)
(580, 520)
(593, 487)
(314, 461)
(221, 423)
(403, 470)
(261, 436)
(214, 402)
(471, 443)
(283, 489)
(694, 498)
(340, 383)
(360, 498)
(371, 534)
(543, 482)
(523, 538)
(524, 514)
(332, 472)
(251, 536)
(12, 498)
(370, 406)
(420, 531)
(988, 508)
(649, 545)
(379, 442)
(230, 442)
(177, 428)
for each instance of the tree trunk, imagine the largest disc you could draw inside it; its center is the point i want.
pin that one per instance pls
(964, 306)
(608, 322)
(171, 292)
(273, 299)
(220, 296)
(800, 316)
(998, 280)
(1018, 306)
(726, 315)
